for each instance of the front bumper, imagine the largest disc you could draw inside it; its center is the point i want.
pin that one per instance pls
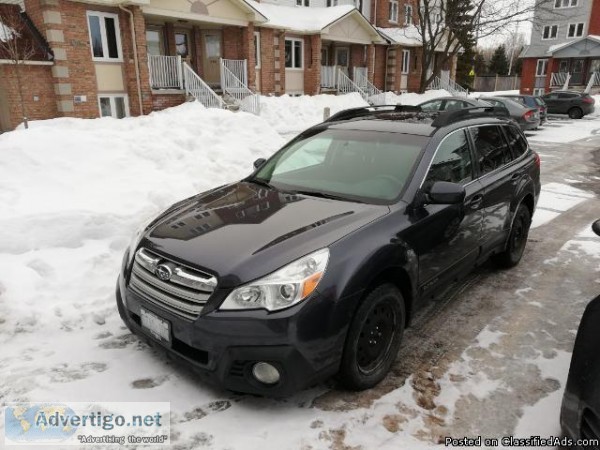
(222, 347)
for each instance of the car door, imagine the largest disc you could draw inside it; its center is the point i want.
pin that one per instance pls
(446, 238)
(552, 102)
(498, 179)
(566, 100)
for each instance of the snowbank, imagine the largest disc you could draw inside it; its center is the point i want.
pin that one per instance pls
(293, 114)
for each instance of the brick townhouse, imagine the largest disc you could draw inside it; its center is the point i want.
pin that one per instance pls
(564, 48)
(118, 58)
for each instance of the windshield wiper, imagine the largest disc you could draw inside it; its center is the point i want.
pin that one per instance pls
(328, 196)
(260, 182)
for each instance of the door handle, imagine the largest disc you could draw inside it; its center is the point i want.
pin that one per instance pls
(475, 201)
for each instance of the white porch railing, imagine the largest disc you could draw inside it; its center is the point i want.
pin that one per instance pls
(328, 77)
(238, 67)
(374, 95)
(197, 88)
(449, 85)
(345, 85)
(558, 78)
(593, 81)
(165, 72)
(237, 89)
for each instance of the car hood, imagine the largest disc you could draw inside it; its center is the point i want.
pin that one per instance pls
(243, 231)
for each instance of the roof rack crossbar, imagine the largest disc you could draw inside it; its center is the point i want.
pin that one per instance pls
(446, 118)
(362, 111)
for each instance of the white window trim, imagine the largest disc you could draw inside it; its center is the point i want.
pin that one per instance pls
(408, 14)
(550, 38)
(393, 8)
(112, 103)
(303, 3)
(301, 53)
(568, 6)
(102, 16)
(405, 69)
(576, 25)
(257, 50)
(544, 65)
(538, 91)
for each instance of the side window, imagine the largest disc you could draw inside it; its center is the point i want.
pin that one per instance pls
(452, 105)
(516, 140)
(491, 148)
(452, 161)
(566, 96)
(434, 105)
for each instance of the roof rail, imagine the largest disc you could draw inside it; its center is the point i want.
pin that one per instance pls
(353, 113)
(446, 118)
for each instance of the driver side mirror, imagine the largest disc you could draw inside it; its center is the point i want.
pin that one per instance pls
(259, 163)
(445, 193)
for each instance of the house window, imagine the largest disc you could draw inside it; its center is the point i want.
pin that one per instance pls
(332, 3)
(550, 32)
(342, 56)
(293, 53)
(538, 91)
(405, 61)
(393, 11)
(541, 67)
(302, 2)
(105, 36)
(182, 44)
(565, 3)
(116, 106)
(257, 49)
(154, 42)
(575, 30)
(408, 13)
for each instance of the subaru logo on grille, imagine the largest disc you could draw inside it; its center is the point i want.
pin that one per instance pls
(163, 272)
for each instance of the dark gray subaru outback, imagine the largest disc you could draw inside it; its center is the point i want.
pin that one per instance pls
(314, 264)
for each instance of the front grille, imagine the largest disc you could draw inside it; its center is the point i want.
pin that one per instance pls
(590, 426)
(181, 291)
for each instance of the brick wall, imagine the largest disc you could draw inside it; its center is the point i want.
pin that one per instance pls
(279, 66)
(528, 75)
(312, 64)
(162, 101)
(248, 53)
(414, 77)
(357, 57)
(38, 92)
(594, 27)
(267, 63)
(380, 67)
(232, 43)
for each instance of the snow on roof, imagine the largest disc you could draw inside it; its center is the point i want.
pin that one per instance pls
(298, 18)
(408, 35)
(556, 47)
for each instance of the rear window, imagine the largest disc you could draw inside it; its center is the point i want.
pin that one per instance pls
(540, 101)
(368, 166)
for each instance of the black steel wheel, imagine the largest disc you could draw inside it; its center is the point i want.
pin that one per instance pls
(373, 339)
(517, 239)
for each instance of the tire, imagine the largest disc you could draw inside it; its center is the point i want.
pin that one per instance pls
(517, 239)
(575, 113)
(373, 338)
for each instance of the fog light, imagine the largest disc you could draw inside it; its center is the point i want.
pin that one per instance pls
(266, 373)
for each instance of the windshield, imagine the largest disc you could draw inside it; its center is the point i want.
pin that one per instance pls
(366, 166)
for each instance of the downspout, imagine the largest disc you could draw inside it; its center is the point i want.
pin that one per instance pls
(135, 58)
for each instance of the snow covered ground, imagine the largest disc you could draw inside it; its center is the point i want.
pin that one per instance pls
(72, 192)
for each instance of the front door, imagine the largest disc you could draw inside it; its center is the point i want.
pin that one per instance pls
(342, 58)
(446, 238)
(211, 57)
(577, 71)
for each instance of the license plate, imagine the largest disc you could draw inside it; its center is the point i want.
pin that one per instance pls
(159, 328)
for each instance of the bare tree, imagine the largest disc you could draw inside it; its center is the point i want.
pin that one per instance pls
(447, 26)
(16, 47)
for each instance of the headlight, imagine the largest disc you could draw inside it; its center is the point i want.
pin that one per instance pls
(287, 286)
(137, 236)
